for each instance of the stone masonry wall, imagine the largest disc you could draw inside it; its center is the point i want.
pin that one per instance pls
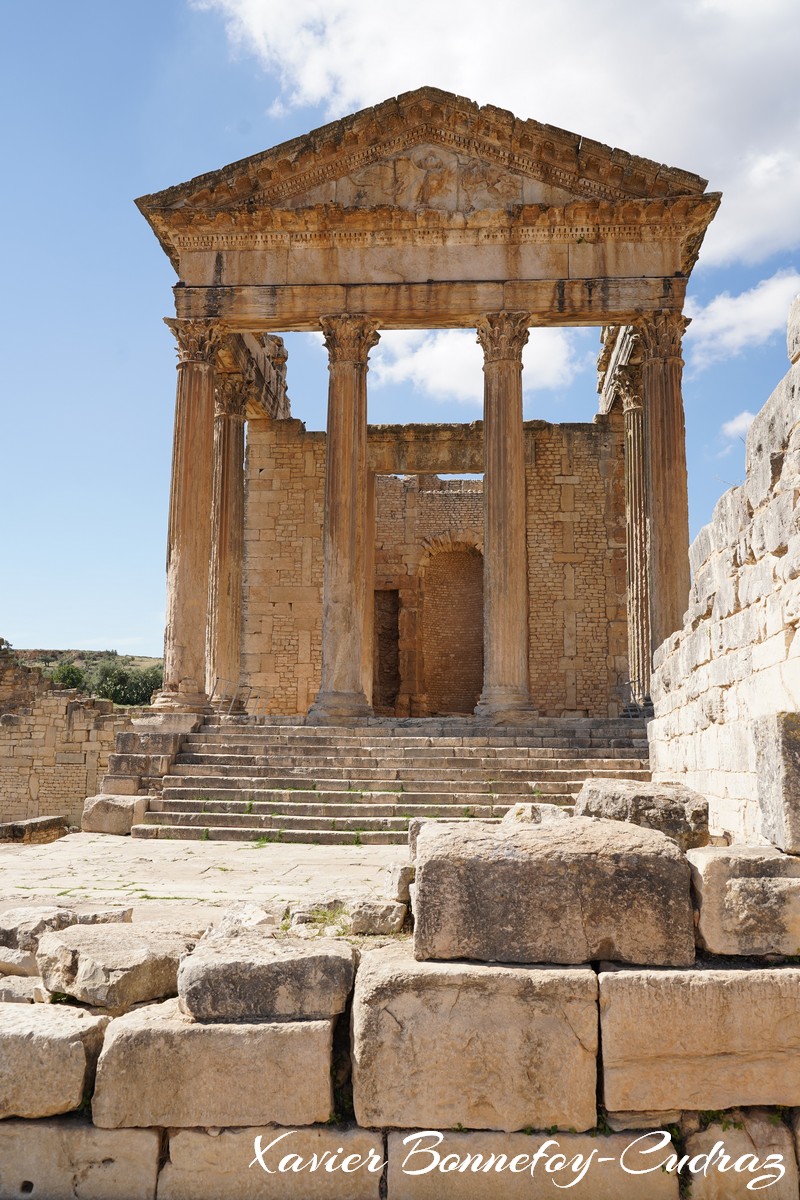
(576, 564)
(54, 746)
(722, 680)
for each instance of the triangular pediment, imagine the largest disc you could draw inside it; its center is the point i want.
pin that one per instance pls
(425, 150)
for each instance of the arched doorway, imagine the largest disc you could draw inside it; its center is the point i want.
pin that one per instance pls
(452, 629)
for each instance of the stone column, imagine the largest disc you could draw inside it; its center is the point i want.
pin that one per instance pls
(189, 537)
(665, 454)
(223, 647)
(341, 695)
(506, 686)
(368, 644)
(629, 383)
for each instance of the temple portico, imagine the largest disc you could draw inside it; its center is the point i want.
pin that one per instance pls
(425, 213)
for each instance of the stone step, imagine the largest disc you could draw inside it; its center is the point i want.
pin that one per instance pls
(465, 783)
(400, 775)
(328, 837)
(338, 744)
(322, 808)
(490, 755)
(403, 800)
(226, 756)
(285, 820)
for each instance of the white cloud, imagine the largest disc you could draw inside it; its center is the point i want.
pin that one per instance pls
(738, 426)
(709, 85)
(448, 364)
(728, 325)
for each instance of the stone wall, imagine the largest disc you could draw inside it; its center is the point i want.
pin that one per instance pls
(723, 681)
(576, 565)
(54, 745)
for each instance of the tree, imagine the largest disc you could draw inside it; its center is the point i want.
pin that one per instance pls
(67, 675)
(127, 685)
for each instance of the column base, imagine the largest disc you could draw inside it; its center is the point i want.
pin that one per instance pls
(505, 706)
(335, 708)
(173, 700)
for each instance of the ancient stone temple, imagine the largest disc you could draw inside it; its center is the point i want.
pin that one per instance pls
(336, 574)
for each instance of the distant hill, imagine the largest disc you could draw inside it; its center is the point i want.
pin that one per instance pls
(85, 659)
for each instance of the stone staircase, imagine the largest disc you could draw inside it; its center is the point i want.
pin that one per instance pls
(280, 780)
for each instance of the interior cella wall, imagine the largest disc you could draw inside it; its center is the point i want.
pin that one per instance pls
(726, 687)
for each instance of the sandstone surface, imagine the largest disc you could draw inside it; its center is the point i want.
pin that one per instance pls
(671, 808)
(564, 892)
(748, 900)
(112, 814)
(253, 976)
(706, 1038)
(48, 1057)
(72, 1160)
(159, 1067)
(443, 1044)
(745, 1135)
(113, 966)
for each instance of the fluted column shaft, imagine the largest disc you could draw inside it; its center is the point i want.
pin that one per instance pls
(667, 493)
(639, 649)
(506, 686)
(349, 340)
(223, 648)
(189, 538)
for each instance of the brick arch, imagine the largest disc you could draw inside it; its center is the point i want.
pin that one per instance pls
(451, 587)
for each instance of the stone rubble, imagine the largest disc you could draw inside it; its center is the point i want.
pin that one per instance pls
(671, 808)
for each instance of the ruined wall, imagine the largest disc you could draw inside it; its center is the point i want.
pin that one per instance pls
(576, 566)
(54, 745)
(722, 680)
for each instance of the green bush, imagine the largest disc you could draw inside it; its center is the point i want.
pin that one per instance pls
(67, 675)
(127, 685)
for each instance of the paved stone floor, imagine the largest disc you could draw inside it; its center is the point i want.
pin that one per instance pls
(177, 879)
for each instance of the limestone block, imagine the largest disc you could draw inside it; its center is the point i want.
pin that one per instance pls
(71, 1160)
(703, 1038)
(590, 1168)
(536, 814)
(18, 989)
(112, 966)
(748, 900)
(564, 892)
(377, 916)
(777, 741)
(17, 962)
(200, 1166)
(47, 1058)
(671, 808)
(112, 814)
(253, 976)
(399, 877)
(159, 1067)
(417, 824)
(21, 927)
(751, 1137)
(440, 1044)
(243, 917)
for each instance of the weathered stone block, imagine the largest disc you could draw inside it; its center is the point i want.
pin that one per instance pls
(200, 1165)
(112, 814)
(47, 1058)
(561, 1164)
(113, 966)
(377, 916)
(536, 814)
(17, 962)
(159, 1067)
(21, 927)
(71, 1160)
(671, 808)
(748, 900)
(399, 877)
(777, 741)
(440, 1044)
(18, 989)
(255, 975)
(748, 1137)
(564, 892)
(703, 1038)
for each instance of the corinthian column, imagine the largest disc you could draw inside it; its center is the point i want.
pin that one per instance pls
(506, 687)
(349, 340)
(665, 453)
(189, 538)
(227, 532)
(629, 385)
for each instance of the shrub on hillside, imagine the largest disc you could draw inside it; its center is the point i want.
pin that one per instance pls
(127, 685)
(67, 675)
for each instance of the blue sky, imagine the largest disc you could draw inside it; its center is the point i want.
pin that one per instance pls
(103, 102)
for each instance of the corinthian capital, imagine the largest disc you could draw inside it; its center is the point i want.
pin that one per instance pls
(349, 338)
(660, 334)
(231, 393)
(503, 335)
(198, 340)
(628, 386)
